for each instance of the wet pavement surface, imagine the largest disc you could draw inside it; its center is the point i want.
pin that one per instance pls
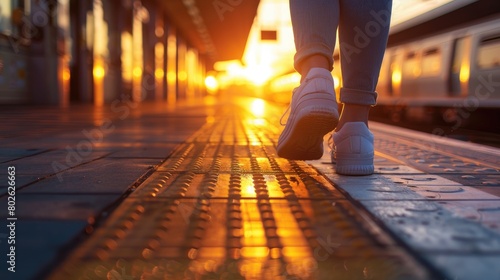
(197, 191)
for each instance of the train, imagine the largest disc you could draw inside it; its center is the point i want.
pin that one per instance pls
(452, 76)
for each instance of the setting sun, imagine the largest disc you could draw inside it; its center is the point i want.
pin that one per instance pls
(258, 107)
(264, 58)
(211, 84)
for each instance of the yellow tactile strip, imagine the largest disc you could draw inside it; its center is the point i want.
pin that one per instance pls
(223, 207)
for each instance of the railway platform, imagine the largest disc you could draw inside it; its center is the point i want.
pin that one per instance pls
(196, 191)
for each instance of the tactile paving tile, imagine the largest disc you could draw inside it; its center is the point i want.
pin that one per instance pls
(437, 202)
(486, 212)
(224, 207)
(427, 226)
(301, 239)
(470, 265)
(430, 160)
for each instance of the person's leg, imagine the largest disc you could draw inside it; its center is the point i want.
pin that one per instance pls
(314, 24)
(313, 108)
(363, 32)
(314, 61)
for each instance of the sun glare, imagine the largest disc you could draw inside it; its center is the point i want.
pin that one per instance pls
(396, 77)
(266, 59)
(464, 71)
(258, 108)
(211, 84)
(263, 58)
(258, 74)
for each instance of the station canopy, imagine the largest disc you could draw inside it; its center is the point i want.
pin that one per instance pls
(217, 28)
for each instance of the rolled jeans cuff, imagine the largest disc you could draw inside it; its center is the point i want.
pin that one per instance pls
(358, 97)
(313, 49)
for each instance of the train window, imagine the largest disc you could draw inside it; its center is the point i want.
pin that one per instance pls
(488, 55)
(395, 74)
(459, 67)
(5, 22)
(410, 65)
(431, 51)
(459, 48)
(11, 16)
(410, 55)
(431, 62)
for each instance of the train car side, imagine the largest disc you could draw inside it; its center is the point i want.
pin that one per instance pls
(460, 65)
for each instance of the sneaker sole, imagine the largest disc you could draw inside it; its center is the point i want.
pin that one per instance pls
(303, 138)
(358, 170)
(360, 165)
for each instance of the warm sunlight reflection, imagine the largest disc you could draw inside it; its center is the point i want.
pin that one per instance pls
(258, 108)
(267, 59)
(137, 72)
(464, 72)
(396, 78)
(273, 187)
(171, 76)
(255, 252)
(404, 10)
(247, 188)
(235, 69)
(254, 239)
(253, 138)
(99, 72)
(159, 73)
(285, 83)
(263, 59)
(211, 84)
(336, 83)
(182, 75)
(258, 122)
(210, 119)
(258, 74)
(66, 74)
(126, 57)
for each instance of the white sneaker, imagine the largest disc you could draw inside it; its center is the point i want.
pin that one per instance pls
(352, 149)
(313, 113)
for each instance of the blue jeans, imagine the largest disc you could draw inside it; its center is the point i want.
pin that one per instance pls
(363, 30)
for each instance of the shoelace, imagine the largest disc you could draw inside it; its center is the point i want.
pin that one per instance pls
(331, 146)
(287, 109)
(330, 142)
(284, 114)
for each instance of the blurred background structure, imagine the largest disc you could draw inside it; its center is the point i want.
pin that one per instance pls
(94, 51)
